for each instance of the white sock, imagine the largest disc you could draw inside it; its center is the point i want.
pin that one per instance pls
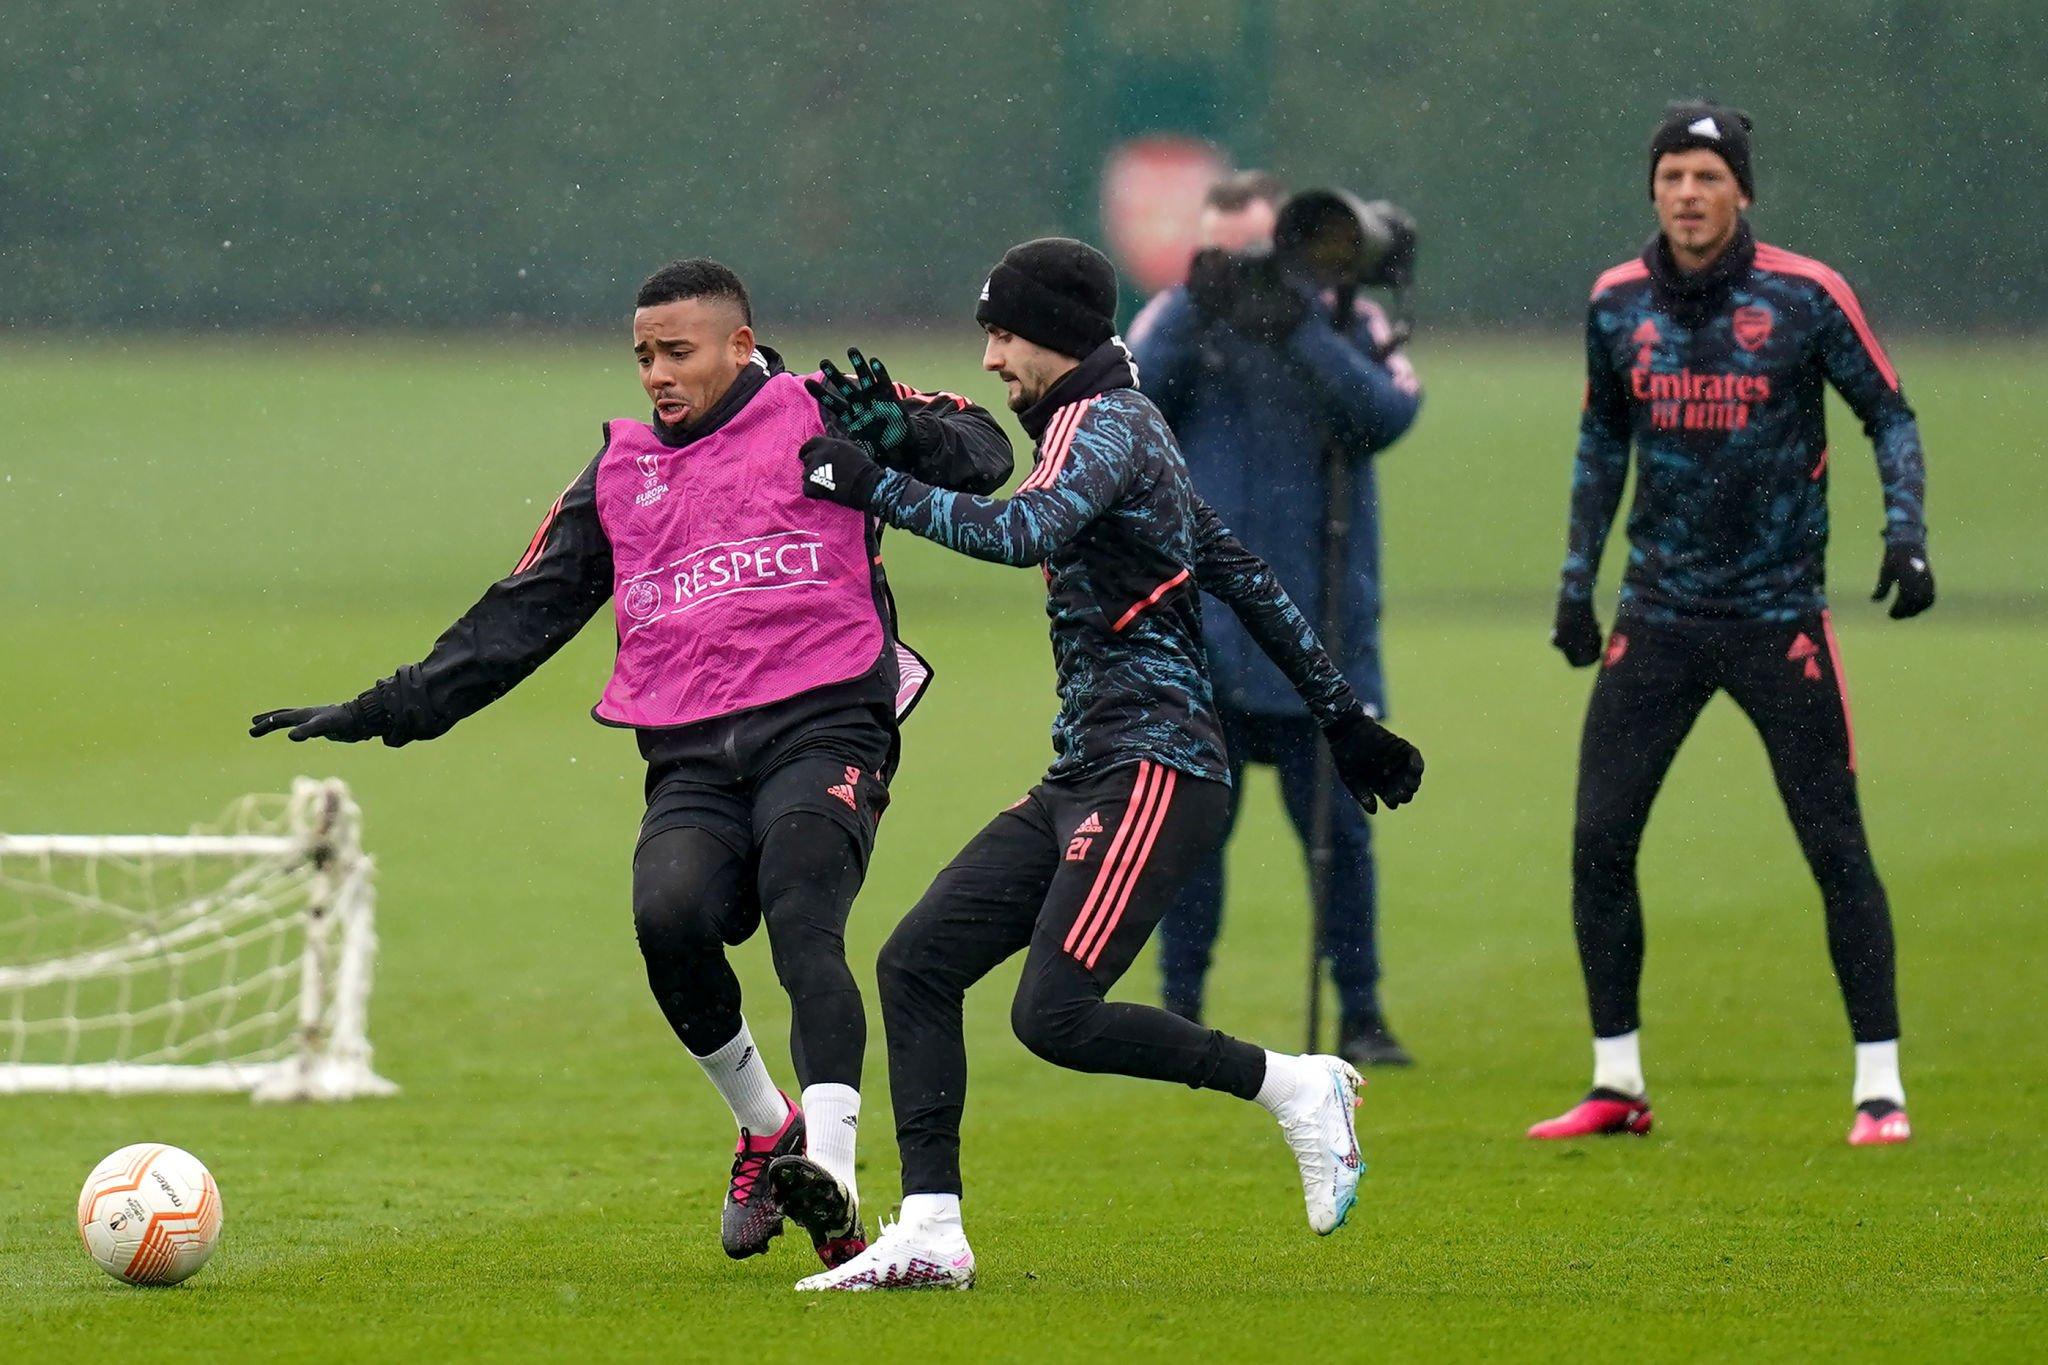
(742, 1077)
(831, 1123)
(1877, 1073)
(1283, 1079)
(1618, 1064)
(936, 1212)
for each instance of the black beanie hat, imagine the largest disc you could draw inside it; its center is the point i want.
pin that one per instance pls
(1055, 291)
(1699, 123)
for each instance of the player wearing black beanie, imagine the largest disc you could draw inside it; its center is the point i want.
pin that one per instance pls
(1055, 291)
(1706, 357)
(1076, 874)
(1716, 127)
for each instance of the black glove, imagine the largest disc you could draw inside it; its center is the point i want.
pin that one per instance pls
(1245, 294)
(864, 406)
(1576, 632)
(350, 722)
(1374, 762)
(839, 471)
(1905, 566)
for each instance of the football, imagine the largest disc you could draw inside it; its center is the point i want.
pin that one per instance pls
(150, 1214)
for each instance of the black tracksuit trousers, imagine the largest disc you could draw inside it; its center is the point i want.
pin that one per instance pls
(1654, 681)
(765, 818)
(1075, 875)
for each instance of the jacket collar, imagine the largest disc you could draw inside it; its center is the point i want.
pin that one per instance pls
(1693, 297)
(1107, 367)
(765, 365)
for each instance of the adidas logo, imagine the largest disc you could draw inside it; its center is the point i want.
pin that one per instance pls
(844, 793)
(984, 288)
(1805, 653)
(851, 1120)
(1705, 127)
(745, 1057)
(822, 476)
(1092, 825)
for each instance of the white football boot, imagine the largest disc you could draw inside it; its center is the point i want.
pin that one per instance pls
(1317, 1123)
(904, 1256)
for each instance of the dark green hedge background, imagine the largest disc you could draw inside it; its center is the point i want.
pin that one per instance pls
(383, 163)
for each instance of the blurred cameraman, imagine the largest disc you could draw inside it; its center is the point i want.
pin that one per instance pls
(1270, 364)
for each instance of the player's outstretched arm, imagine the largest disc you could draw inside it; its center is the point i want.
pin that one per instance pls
(1862, 373)
(1375, 763)
(348, 722)
(939, 438)
(1047, 511)
(516, 626)
(1599, 471)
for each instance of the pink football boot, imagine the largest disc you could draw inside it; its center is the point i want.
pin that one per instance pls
(1604, 1113)
(1879, 1123)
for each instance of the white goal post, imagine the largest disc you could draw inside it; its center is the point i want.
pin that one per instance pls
(236, 957)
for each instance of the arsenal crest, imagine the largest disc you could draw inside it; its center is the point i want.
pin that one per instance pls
(1752, 327)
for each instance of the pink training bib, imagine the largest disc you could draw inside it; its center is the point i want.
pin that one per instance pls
(731, 588)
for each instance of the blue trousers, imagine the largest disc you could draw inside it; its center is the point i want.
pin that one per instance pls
(1187, 934)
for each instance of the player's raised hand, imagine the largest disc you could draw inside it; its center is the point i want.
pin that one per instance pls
(1374, 763)
(1576, 632)
(344, 722)
(864, 405)
(1905, 567)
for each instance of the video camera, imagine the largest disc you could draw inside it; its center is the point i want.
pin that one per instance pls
(1343, 242)
(1331, 239)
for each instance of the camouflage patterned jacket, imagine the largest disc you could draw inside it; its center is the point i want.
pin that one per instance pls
(1126, 547)
(1718, 380)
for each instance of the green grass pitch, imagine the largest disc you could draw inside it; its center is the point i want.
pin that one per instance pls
(192, 531)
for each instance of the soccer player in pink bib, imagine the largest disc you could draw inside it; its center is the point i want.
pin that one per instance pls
(759, 666)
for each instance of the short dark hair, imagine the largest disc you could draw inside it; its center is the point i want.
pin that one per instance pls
(699, 277)
(1240, 189)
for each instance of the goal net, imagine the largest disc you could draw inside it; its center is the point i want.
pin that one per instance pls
(236, 957)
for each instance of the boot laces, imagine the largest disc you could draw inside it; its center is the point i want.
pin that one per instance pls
(748, 1167)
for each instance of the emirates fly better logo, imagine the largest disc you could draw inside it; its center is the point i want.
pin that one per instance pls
(1700, 400)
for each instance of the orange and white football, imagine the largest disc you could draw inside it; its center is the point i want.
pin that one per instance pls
(150, 1214)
